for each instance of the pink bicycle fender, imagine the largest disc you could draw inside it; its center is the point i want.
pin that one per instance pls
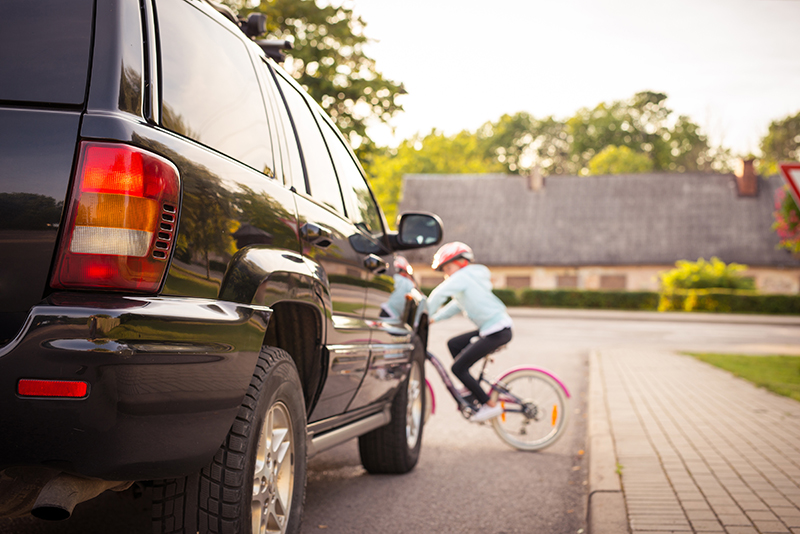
(433, 397)
(548, 373)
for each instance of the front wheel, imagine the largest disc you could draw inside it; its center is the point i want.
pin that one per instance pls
(534, 409)
(394, 448)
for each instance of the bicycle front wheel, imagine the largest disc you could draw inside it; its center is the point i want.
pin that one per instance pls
(535, 409)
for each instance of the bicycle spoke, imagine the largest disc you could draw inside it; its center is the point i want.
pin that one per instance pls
(534, 409)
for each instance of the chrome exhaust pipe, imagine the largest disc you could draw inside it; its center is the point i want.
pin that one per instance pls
(58, 498)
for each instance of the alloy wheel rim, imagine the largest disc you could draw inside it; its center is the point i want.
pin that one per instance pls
(273, 476)
(414, 406)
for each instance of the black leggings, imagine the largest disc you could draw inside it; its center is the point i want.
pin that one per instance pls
(466, 354)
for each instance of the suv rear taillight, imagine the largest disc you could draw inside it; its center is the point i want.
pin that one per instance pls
(121, 221)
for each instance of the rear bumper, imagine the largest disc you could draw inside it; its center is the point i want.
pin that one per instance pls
(166, 378)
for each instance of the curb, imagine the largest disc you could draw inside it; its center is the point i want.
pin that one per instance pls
(606, 513)
(678, 317)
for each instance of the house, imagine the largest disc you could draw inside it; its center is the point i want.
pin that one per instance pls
(605, 232)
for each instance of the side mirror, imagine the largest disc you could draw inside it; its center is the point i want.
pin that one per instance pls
(417, 230)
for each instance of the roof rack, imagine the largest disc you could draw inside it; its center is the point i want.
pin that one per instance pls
(253, 26)
(274, 48)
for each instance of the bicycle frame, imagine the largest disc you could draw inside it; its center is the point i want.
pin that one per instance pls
(496, 385)
(462, 403)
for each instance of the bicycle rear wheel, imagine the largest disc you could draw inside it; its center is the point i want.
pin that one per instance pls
(535, 409)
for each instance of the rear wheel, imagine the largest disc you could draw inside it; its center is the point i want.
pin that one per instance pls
(541, 417)
(394, 448)
(256, 482)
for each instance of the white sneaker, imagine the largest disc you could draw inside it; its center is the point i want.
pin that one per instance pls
(487, 412)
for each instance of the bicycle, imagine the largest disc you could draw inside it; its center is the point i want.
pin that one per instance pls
(535, 404)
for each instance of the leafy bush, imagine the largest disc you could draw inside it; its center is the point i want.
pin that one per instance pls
(693, 300)
(728, 301)
(508, 296)
(787, 220)
(689, 286)
(575, 298)
(704, 274)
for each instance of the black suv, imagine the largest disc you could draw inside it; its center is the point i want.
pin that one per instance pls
(194, 274)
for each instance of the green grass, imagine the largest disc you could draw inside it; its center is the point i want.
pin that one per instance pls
(779, 374)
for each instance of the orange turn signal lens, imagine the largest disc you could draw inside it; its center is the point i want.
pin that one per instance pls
(117, 211)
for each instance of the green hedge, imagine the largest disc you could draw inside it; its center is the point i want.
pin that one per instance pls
(509, 296)
(709, 300)
(574, 298)
(728, 301)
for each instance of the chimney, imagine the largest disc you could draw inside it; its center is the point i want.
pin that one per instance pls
(746, 178)
(535, 179)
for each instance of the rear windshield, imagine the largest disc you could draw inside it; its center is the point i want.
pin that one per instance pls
(45, 50)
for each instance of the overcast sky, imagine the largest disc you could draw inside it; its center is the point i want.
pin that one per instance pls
(732, 66)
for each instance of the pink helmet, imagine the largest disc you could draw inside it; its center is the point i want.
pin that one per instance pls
(402, 266)
(451, 252)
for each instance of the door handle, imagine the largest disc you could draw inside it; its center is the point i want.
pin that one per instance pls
(375, 264)
(316, 234)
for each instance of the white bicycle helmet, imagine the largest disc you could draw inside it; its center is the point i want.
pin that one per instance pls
(450, 252)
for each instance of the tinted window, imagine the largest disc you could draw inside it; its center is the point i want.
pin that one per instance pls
(45, 50)
(287, 143)
(210, 90)
(319, 169)
(130, 87)
(361, 208)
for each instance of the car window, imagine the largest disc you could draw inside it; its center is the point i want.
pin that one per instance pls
(53, 67)
(210, 90)
(320, 175)
(361, 207)
(287, 140)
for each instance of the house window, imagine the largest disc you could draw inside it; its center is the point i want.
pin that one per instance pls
(567, 281)
(617, 282)
(518, 282)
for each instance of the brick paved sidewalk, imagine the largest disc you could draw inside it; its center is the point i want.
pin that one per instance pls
(699, 449)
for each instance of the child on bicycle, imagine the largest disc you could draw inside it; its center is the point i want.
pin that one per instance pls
(403, 285)
(469, 286)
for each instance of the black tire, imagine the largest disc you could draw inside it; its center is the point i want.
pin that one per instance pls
(224, 496)
(394, 448)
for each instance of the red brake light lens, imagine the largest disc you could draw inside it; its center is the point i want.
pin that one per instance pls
(121, 222)
(52, 388)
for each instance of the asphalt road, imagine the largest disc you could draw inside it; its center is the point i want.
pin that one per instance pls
(467, 480)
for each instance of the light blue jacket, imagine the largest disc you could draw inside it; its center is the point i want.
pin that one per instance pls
(470, 289)
(397, 300)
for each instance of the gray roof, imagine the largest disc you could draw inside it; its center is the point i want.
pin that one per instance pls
(635, 219)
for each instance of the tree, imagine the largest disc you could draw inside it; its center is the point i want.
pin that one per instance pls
(435, 153)
(328, 60)
(619, 160)
(782, 143)
(520, 141)
(642, 123)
